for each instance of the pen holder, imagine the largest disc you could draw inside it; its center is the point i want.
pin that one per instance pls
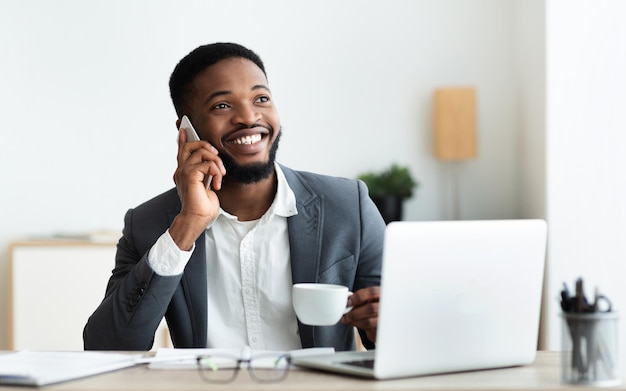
(590, 349)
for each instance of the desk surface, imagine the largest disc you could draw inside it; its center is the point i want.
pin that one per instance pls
(543, 374)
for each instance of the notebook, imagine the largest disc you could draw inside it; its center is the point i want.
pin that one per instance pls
(455, 296)
(41, 368)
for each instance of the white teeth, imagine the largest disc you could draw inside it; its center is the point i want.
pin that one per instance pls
(248, 139)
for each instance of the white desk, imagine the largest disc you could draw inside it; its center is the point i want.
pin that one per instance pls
(543, 374)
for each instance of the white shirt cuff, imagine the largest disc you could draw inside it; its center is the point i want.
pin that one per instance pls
(166, 259)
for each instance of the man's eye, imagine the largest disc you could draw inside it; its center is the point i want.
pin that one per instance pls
(263, 99)
(220, 106)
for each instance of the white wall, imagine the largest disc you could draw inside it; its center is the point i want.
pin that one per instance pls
(88, 128)
(530, 59)
(586, 192)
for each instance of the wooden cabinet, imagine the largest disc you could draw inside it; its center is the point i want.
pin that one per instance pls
(54, 286)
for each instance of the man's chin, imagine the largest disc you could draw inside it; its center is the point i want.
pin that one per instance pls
(251, 173)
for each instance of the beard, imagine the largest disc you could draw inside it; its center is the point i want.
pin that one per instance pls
(250, 173)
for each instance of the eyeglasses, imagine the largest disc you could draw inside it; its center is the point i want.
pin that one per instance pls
(222, 368)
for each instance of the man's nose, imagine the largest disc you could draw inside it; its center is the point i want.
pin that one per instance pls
(246, 114)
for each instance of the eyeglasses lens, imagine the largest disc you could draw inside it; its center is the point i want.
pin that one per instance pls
(267, 369)
(218, 369)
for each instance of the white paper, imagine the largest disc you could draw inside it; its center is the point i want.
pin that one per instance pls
(42, 368)
(169, 358)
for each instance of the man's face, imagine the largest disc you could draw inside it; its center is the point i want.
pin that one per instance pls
(232, 109)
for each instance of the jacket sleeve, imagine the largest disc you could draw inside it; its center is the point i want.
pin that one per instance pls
(370, 258)
(372, 234)
(136, 300)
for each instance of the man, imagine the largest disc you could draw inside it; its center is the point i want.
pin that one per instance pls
(219, 261)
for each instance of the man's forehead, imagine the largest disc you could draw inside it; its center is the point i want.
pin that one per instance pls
(232, 71)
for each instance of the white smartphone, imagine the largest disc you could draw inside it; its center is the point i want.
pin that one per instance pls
(192, 135)
(191, 132)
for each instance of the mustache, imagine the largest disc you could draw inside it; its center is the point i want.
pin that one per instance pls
(244, 127)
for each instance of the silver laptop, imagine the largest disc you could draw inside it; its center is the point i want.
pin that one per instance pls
(455, 296)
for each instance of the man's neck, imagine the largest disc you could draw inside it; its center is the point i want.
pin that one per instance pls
(248, 202)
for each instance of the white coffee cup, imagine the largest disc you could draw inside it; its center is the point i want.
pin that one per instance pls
(320, 304)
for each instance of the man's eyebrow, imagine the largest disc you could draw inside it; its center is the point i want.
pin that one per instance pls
(261, 87)
(216, 93)
(228, 92)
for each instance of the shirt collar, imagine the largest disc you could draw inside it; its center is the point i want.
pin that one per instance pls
(285, 201)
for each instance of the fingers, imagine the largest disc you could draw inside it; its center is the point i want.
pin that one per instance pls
(365, 295)
(363, 317)
(364, 314)
(199, 160)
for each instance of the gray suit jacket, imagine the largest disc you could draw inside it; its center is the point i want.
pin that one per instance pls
(336, 237)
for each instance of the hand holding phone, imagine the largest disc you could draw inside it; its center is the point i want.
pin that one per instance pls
(192, 135)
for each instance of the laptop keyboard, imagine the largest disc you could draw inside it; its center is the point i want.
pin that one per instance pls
(369, 363)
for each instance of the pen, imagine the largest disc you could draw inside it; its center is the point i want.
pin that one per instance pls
(580, 296)
(566, 300)
(151, 359)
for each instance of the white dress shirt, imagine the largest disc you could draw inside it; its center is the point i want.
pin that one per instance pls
(248, 276)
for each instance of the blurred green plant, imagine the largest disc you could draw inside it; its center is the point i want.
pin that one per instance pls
(395, 181)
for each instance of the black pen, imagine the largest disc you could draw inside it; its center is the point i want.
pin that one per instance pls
(566, 300)
(580, 296)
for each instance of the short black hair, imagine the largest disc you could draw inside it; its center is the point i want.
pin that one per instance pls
(181, 80)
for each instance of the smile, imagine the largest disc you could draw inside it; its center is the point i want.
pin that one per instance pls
(247, 140)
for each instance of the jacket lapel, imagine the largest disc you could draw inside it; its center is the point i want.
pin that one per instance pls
(304, 229)
(305, 241)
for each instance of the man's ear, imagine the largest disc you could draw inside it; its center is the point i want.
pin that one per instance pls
(178, 124)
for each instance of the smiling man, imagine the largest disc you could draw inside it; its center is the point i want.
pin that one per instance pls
(219, 262)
